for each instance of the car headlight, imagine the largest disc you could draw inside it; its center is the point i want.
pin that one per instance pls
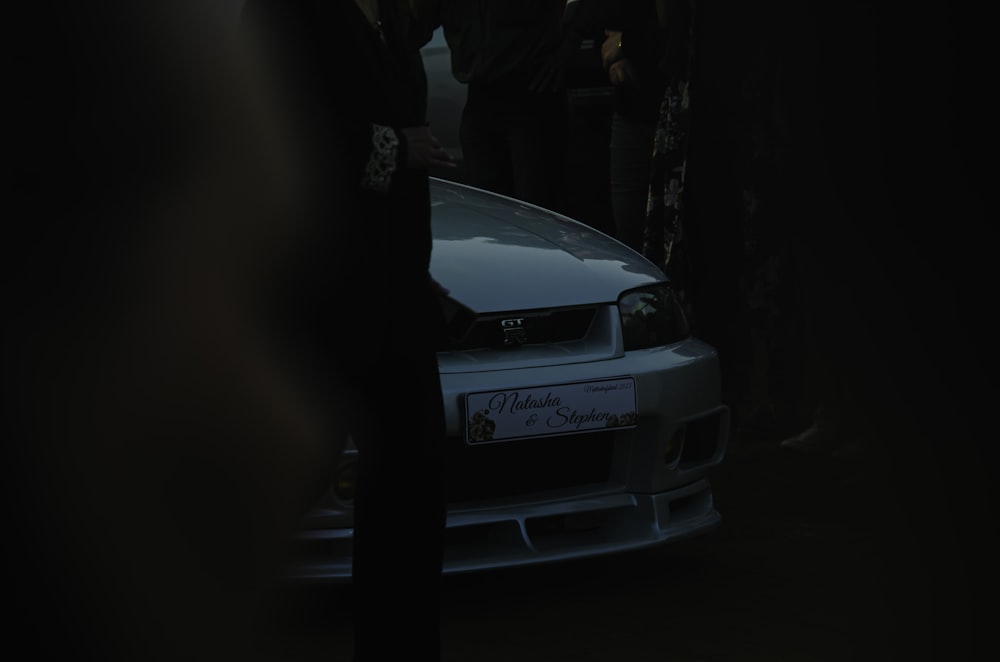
(652, 316)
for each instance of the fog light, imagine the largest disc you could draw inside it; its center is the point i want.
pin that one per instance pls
(345, 482)
(675, 445)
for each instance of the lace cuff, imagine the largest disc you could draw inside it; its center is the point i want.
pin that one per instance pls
(382, 159)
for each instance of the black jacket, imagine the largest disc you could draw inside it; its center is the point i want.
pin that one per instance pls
(346, 89)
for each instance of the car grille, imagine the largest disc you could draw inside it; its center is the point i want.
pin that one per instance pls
(534, 327)
(522, 466)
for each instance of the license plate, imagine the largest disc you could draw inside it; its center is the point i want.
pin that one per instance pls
(550, 410)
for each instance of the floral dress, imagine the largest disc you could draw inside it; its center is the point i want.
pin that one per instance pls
(664, 231)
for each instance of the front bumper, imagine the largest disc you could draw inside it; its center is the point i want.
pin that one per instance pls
(548, 500)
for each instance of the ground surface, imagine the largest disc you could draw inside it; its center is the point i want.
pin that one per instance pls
(802, 568)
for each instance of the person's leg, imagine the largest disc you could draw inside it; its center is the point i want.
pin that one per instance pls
(398, 532)
(399, 507)
(714, 240)
(538, 140)
(827, 319)
(486, 161)
(631, 154)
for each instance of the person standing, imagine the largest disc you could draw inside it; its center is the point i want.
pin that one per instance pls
(512, 55)
(639, 83)
(674, 184)
(160, 445)
(357, 92)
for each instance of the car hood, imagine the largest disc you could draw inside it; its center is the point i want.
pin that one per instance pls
(499, 254)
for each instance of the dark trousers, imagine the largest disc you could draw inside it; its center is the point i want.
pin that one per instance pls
(631, 157)
(396, 418)
(516, 144)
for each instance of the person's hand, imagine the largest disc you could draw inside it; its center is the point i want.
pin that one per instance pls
(423, 150)
(611, 48)
(621, 73)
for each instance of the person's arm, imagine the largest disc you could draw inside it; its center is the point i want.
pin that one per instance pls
(551, 75)
(426, 12)
(636, 50)
(422, 16)
(391, 149)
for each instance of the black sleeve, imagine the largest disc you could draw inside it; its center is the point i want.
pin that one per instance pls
(591, 17)
(424, 17)
(323, 102)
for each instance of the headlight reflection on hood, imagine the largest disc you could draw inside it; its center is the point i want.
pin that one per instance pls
(651, 317)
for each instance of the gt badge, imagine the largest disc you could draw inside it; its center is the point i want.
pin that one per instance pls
(513, 331)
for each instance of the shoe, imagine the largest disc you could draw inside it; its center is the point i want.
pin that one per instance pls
(815, 440)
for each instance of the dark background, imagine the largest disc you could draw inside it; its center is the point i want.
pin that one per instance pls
(862, 130)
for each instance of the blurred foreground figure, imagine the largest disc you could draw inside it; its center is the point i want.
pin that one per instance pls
(365, 116)
(162, 438)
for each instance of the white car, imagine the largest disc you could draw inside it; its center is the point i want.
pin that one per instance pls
(582, 415)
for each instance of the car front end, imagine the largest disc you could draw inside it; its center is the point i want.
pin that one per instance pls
(582, 415)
